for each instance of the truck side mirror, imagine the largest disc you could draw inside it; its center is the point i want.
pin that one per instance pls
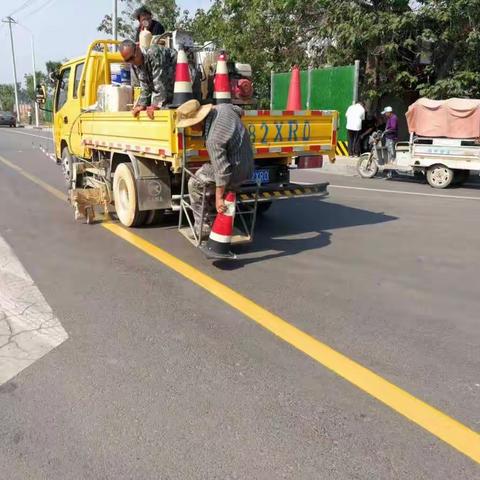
(41, 94)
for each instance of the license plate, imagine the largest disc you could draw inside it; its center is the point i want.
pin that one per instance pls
(262, 176)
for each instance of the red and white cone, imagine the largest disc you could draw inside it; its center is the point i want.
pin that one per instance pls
(294, 100)
(221, 82)
(220, 239)
(182, 91)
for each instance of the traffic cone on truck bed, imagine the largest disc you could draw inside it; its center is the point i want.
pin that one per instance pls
(220, 239)
(294, 101)
(221, 82)
(182, 91)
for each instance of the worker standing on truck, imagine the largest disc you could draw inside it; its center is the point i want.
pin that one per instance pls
(155, 70)
(146, 21)
(231, 156)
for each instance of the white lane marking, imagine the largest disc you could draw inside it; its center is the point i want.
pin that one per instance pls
(403, 192)
(400, 192)
(29, 134)
(28, 327)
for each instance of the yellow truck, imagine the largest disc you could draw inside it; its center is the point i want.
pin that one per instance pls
(138, 165)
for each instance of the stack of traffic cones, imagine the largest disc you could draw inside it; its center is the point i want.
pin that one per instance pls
(221, 83)
(220, 239)
(294, 101)
(182, 91)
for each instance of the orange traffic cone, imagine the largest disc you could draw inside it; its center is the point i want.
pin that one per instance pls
(218, 244)
(294, 101)
(221, 83)
(182, 91)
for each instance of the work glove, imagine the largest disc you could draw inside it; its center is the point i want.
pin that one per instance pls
(150, 111)
(136, 110)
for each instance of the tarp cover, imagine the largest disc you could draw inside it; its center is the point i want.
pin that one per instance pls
(453, 118)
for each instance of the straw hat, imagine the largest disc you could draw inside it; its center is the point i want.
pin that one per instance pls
(190, 113)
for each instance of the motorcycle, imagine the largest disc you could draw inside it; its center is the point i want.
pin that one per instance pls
(369, 163)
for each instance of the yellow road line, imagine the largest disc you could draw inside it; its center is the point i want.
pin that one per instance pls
(434, 421)
(55, 192)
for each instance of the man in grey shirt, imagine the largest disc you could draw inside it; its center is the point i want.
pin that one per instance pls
(230, 151)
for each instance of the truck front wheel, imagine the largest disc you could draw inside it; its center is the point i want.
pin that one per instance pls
(67, 166)
(125, 196)
(439, 176)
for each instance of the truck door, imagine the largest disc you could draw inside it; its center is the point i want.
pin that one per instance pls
(61, 119)
(78, 91)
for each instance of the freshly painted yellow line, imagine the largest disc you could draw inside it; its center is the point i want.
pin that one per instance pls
(55, 192)
(444, 427)
(434, 421)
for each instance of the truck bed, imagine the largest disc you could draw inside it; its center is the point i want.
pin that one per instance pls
(273, 133)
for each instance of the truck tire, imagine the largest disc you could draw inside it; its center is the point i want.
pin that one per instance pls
(366, 167)
(125, 196)
(439, 176)
(154, 217)
(67, 166)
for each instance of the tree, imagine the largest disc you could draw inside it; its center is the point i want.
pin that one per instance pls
(427, 47)
(40, 77)
(7, 97)
(268, 34)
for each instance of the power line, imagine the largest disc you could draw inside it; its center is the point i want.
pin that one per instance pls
(22, 6)
(48, 3)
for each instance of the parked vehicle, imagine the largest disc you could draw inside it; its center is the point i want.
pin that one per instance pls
(444, 143)
(8, 118)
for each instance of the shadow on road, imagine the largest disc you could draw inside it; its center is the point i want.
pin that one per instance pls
(294, 226)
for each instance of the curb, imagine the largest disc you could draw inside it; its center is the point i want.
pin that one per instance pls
(343, 166)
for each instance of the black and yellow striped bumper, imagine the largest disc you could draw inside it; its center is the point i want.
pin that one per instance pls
(292, 190)
(342, 148)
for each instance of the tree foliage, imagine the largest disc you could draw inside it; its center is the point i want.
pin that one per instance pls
(405, 47)
(7, 98)
(393, 39)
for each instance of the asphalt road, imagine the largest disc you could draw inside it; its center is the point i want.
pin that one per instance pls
(161, 380)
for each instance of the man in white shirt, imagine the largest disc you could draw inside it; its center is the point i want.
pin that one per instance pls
(355, 116)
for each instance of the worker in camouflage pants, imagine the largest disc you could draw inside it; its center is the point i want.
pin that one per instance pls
(231, 157)
(155, 70)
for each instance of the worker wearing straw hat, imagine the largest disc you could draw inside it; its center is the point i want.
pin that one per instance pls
(230, 151)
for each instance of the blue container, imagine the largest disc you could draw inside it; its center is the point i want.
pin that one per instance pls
(125, 76)
(116, 73)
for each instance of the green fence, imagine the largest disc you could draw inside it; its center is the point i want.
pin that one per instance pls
(322, 89)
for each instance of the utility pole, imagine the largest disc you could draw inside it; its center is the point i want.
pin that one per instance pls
(10, 20)
(114, 20)
(34, 82)
(34, 72)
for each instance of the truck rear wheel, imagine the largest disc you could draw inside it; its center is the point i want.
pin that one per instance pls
(439, 176)
(125, 196)
(154, 217)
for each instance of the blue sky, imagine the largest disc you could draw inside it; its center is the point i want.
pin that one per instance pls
(62, 29)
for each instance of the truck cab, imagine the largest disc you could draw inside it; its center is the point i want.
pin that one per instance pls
(75, 89)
